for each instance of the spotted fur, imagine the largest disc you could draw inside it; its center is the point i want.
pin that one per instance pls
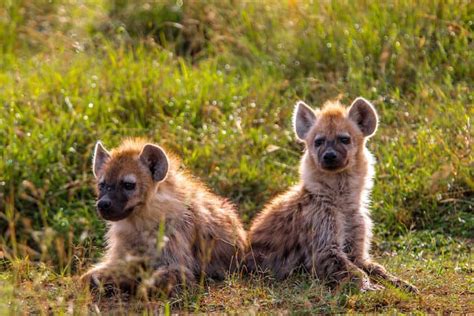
(176, 232)
(322, 225)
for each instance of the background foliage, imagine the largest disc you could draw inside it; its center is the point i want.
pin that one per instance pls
(216, 81)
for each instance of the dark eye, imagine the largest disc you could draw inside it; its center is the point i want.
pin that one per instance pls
(318, 142)
(129, 186)
(101, 186)
(345, 140)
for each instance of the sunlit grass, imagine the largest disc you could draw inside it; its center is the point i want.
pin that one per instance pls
(221, 95)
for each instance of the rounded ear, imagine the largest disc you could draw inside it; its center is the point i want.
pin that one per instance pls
(363, 113)
(155, 159)
(303, 119)
(101, 156)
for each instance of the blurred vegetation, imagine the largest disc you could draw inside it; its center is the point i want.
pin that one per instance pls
(216, 81)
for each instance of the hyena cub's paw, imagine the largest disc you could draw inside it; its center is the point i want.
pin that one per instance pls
(363, 282)
(166, 281)
(365, 285)
(378, 271)
(96, 280)
(161, 282)
(107, 282)
(404, 285)
(90, 278)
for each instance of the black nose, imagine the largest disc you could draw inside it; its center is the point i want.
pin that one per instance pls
(104, 205)
(329, 157)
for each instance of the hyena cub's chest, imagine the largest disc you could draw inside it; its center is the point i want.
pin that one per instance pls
(328, 220)
(147, 243)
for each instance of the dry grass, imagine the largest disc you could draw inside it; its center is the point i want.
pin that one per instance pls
(215, 81)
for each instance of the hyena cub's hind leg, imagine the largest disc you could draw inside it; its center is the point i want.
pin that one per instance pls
(378, 271)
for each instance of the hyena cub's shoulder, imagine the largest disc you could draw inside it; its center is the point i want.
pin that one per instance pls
(165, 228)
(321, 225)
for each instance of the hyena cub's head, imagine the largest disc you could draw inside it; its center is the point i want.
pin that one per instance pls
(126, 176)
(335, 136)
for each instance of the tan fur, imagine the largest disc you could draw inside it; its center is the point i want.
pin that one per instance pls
(202, 234)
(322, 225)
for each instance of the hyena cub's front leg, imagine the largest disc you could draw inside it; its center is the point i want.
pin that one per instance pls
(333, 265)
(357, 249)
(173, 267)
(111, 279)
(378, 271)
(166, 280)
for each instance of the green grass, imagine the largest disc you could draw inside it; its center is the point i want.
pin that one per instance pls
(220, 93)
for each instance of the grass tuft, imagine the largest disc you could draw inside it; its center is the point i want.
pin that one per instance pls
(216, 82)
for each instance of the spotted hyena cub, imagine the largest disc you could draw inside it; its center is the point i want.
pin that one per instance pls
(164, 227)
(322, 225)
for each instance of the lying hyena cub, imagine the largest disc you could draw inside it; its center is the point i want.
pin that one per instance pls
(322, 225)
(164, 228)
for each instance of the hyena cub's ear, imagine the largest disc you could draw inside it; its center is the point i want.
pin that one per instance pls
(156, 160)
(362, 112)
(101, 155)
(303, 119)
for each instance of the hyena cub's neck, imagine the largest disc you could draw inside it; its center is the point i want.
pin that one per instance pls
(349, 186)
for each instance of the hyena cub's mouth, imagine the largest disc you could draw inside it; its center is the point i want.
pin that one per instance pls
(114, 217)
(335, 166)
(117, 216)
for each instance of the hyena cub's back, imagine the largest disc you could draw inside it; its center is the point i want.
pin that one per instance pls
(322, 224)
(164, 226)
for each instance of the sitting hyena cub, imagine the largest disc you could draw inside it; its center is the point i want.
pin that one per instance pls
(164, 228)
(322, 225)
